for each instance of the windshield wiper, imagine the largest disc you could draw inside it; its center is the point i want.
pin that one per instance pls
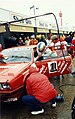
(20, 57)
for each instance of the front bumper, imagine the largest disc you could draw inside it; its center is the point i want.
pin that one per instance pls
(11, 96)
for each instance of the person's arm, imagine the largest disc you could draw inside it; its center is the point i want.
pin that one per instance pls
(28, 87)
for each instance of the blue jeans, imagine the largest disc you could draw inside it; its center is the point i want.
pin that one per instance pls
(32, 102)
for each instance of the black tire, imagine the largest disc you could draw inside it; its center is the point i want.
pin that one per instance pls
(73, 115)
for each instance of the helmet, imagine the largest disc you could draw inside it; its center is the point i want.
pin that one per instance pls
(41, 46)
(33, 36)
(54, 37)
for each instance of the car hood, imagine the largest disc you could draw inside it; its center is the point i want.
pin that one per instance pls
(8, 71)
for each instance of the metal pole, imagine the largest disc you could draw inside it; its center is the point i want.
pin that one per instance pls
(34, 16)
(35, 25)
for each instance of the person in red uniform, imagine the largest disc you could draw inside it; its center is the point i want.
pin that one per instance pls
(33, 41)
(72, 47)
(39, 90)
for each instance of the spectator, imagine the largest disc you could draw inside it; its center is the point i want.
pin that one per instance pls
(48, 40)
(20, 41)
(26, 40)
(39, 90)
(42, 39)
(69, 37)
(33, 41)
(10, 41)
(72, 47)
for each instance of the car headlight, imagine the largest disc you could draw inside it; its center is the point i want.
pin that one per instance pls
(4, 86)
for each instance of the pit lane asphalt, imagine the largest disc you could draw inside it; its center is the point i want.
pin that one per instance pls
(17, 110)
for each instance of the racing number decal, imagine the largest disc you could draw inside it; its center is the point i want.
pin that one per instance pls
(52, 66)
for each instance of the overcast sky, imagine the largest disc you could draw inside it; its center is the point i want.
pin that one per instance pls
(67, 7)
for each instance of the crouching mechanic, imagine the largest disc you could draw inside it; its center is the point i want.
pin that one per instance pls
(39, 90)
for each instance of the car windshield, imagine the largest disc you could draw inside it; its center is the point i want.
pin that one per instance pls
(17, 54)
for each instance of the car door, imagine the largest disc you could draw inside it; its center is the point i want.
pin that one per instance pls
(54, 66)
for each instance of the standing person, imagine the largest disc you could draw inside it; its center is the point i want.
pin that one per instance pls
(20, 41)
(48, 40)
(39, 90)
(33, 41)
(59, 43)
(26, 40)
(42, 39)
(69, 37)
(72, 46)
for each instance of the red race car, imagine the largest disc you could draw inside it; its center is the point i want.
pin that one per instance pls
(14, 69)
